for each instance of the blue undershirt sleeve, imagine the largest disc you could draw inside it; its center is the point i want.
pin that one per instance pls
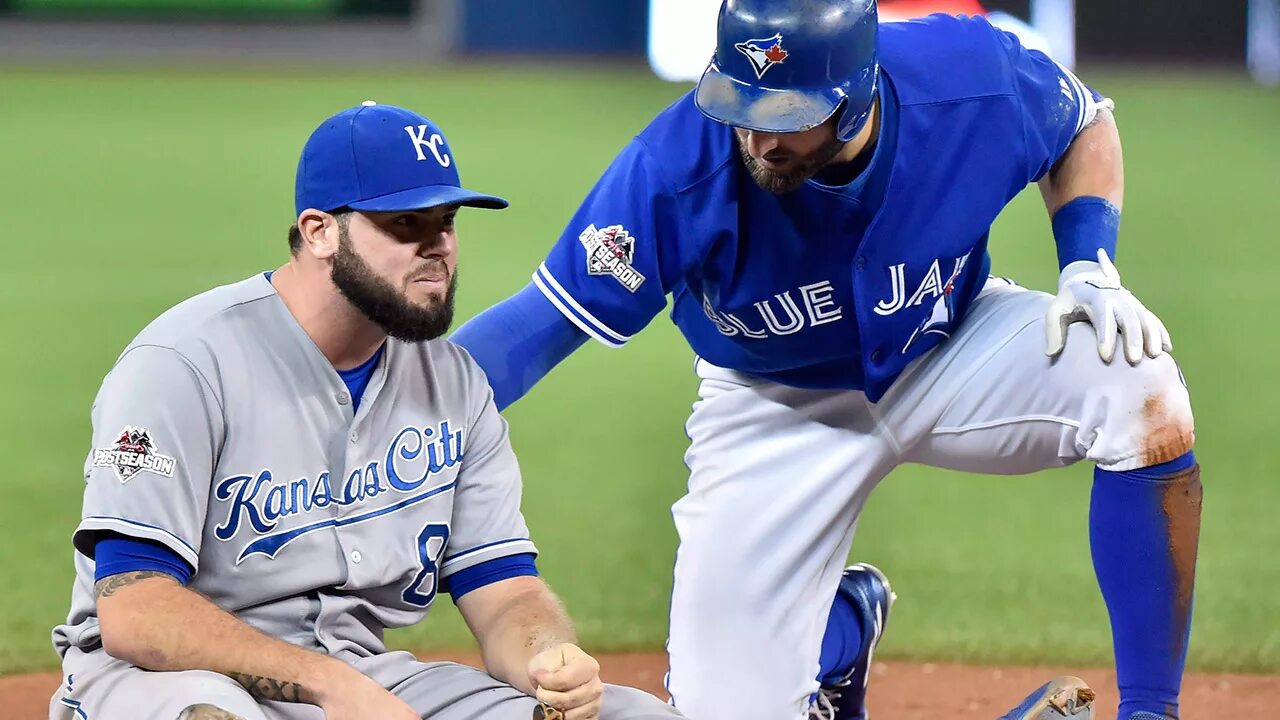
(487, 573)
(518, 341)
(115, 554)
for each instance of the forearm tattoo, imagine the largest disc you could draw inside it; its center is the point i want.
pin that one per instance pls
(108, 586)
(259, 687)
(265, 688)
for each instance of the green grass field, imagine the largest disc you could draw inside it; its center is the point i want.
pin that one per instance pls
(127, 192)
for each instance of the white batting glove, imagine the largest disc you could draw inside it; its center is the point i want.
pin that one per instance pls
(1091, 292)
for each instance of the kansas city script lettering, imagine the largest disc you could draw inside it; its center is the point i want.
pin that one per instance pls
(414, 456)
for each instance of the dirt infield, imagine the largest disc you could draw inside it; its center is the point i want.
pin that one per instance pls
(899, 690)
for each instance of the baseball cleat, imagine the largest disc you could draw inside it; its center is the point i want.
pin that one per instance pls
(868, 590)
(1063, 697)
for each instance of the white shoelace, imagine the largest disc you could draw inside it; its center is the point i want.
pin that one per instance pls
(823, 707)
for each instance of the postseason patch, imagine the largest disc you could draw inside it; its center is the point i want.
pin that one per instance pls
(609, 252)
(133, 452)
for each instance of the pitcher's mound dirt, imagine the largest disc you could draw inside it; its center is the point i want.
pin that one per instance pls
(899, 690)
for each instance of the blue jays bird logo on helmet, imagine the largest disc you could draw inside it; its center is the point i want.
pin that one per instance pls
(763, 54)
(826, 66)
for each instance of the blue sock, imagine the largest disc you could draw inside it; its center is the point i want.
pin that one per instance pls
(841, 643)
(1144, 529)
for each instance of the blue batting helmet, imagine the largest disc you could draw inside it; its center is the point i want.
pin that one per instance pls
(789, 65)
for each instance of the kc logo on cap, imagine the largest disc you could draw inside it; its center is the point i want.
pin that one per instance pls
(418, 136)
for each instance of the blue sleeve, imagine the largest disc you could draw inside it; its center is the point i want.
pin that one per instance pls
(611, 270)
(487, 573)
(1055, 105)
(115, 554)
(517, 342)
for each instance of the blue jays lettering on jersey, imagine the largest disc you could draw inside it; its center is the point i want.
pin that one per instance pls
(811, 289)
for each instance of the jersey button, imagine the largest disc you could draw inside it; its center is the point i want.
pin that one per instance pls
(876, 356)
(355, 436)
(343, 398)
(356, 557)
(859, 263)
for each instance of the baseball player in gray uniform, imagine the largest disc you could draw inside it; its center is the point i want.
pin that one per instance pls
(285, 467)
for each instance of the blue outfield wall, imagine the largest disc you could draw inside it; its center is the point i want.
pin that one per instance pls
(616, 28)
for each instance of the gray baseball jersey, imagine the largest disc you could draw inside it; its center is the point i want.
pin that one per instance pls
(225, 434)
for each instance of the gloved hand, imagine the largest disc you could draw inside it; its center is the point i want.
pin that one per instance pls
(1091, 292)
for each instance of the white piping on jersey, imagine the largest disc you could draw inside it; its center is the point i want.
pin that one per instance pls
(133, 528)
(1084, 99)
(999, 422)
(75, 707)
(481, 550)
(579, 322)
(580, 316)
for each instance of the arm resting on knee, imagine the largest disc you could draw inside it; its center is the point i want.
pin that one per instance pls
(148, 619)
(514, 620)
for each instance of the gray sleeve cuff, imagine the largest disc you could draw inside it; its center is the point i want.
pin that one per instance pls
(92, 527)
(483, 553)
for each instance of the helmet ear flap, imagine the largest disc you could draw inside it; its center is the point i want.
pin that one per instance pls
(844, 122)
(852, 121)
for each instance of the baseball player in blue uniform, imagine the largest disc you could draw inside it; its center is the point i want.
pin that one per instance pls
(818, 211)
(286, 467)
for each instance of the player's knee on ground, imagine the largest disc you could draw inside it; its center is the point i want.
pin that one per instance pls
(205, 711)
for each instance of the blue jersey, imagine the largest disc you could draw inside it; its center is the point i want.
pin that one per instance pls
(827, 286)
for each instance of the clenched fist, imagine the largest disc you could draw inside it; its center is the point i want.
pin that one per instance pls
(568, 679)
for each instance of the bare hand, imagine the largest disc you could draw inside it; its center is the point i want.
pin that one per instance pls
(568, 679)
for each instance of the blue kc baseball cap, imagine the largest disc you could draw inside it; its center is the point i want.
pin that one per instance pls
(381, 158)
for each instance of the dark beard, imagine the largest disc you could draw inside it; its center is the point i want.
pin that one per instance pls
(379, 301)
(781, 184)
